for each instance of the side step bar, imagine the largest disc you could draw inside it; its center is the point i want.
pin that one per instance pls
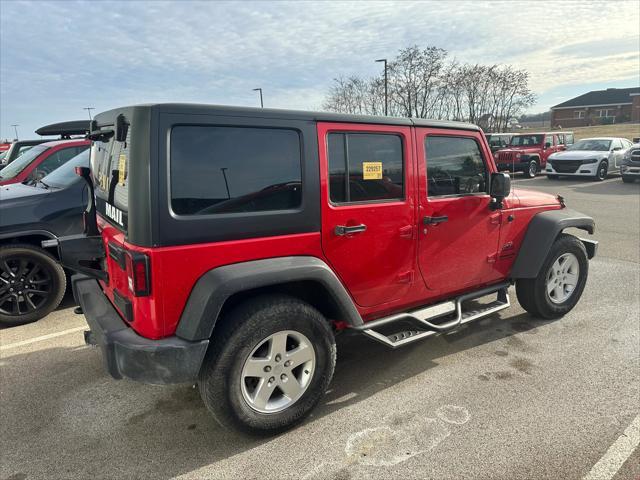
(422, 320)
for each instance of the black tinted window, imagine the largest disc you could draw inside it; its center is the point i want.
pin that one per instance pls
(234, 169)
(454, 166)
(364, 167)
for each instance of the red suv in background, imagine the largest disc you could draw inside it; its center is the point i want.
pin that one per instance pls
(41, 160)
(528, 152)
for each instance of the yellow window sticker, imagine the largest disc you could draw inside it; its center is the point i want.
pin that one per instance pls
(372, 170)
(122, 166)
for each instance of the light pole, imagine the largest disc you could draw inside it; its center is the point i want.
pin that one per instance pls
(386, 94)
(88, 109)
(259, 90)
(15, 128)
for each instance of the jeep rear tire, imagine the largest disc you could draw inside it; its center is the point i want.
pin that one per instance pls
(532, 169)
(269, 364)
(560, 282)
(32, 284)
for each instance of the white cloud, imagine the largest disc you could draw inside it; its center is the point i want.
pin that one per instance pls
(57, 57)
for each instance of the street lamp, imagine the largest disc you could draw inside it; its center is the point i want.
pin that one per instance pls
(386, 95)
(15, 128)
(259, 90)
(88, 109)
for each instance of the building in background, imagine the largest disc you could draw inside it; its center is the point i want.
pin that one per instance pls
(599, 107)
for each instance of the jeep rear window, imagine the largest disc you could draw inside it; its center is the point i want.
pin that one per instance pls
(110, 169)
(216, 170)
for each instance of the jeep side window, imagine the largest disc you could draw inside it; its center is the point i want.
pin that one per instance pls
(217, 170)
(548, 140)
(365, 167)
(569, 137)
(454, 166)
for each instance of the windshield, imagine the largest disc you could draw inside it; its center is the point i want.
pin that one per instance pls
(593, 145)
(23, 161)
(524, 140)
(498, 140)
(65, 175)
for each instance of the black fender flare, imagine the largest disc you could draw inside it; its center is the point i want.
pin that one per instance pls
(212, 289)
(24, 233)
(542, 231)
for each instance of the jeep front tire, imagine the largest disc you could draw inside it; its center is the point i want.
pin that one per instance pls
(560, 282)
(532, 169)
(269, 364)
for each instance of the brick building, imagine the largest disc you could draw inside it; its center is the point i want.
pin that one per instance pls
(599, 107)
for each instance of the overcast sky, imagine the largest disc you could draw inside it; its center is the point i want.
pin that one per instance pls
(58, 57)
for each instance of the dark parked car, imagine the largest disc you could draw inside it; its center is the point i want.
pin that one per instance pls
(32, 282)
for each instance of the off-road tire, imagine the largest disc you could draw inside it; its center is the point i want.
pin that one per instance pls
(532, 292)
(602, 171)
(57, 284)
(244, 328)
(533, 167)
(628, 179)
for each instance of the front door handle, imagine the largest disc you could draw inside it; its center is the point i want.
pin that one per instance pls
(341, 230)
(434, 220)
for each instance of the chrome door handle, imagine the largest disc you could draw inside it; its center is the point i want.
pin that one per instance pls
(434, 220)
(341, 230)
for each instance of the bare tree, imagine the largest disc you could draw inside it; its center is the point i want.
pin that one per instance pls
(424, 84)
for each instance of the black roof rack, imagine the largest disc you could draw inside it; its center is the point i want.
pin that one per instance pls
(65, 129)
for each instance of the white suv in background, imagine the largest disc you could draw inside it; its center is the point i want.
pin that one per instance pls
(589, 157)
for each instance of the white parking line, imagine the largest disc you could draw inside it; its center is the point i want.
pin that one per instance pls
(42, 338)
(617, 454)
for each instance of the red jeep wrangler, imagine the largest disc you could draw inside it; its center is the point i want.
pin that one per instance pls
(226, 246)
(528, 152)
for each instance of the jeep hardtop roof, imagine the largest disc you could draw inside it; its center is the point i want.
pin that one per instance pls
(204, 109)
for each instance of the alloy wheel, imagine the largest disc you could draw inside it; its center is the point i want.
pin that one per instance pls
(25, 285)
(562, 278)
(278, 371)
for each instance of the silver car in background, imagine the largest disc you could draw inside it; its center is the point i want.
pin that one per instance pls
(589, 157)
(630, 166)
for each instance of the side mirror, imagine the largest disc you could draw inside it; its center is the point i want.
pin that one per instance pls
(615, 149)
(500, 188)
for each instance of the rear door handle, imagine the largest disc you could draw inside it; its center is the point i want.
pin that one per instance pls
(341, 230)
(434, 220)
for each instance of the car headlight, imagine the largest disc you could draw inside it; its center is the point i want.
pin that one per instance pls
(627, 155)
(589, 160)
(518, 155)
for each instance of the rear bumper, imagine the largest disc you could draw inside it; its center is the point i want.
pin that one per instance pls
(127, 354)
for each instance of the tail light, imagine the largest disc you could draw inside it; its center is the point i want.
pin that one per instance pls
(138, 273)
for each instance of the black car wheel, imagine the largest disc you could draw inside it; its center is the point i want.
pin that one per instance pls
(601, 174)
(32, 284)
(532, 169)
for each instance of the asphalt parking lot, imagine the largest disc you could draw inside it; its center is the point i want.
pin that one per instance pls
(508, 397)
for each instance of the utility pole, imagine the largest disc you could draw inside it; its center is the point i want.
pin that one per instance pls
(15, 128)
(88, 109)
(259, 90)
(386, 92)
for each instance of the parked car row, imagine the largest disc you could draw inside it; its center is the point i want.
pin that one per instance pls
(556, 154)
(40, 198)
